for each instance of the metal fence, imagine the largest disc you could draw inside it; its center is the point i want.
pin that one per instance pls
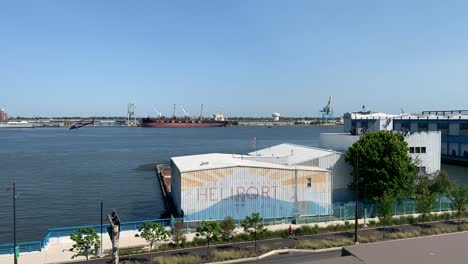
(345, 211)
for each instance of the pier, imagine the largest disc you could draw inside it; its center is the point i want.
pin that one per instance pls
(163, 173)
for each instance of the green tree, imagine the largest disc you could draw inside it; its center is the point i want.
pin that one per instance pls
(425, 200)
(441, 183)
(152, 233)
(459, 197)
(227, 228)
(178, 233)
(210, 230)
(86, 241)
(253, 225)
(386, 203)
(381, 160)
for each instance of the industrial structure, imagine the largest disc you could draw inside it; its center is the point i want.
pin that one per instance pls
(276, 117)
(131, 119)
(3, 115)
(327, 111)
(214, 186)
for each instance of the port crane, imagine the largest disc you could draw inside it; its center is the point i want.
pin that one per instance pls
(327, 111)
(159, 113)
(187, 114)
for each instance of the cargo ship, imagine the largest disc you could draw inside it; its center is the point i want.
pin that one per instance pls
(217, 120)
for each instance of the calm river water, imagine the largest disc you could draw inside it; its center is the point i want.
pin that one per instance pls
(62, 176)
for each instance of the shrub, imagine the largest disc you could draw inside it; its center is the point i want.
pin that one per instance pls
(411, 219)
(187, 259)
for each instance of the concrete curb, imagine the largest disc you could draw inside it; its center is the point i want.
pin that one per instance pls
(279, 251)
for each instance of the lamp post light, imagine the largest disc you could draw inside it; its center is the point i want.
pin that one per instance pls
(356, 200)
(15, 245)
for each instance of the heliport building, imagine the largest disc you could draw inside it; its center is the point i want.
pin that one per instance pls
(214, 186)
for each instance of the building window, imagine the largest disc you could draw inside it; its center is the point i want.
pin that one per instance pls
(422, 126)
(309, 182)
(464, 126)
(422, 169)
(423, 149)
(411, 150)
(418, 150)
(405, 125)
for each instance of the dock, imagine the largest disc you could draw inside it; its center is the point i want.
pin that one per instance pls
(163, 173)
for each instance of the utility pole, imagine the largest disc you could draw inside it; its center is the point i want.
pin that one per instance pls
(356, 200)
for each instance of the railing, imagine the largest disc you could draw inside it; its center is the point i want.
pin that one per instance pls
(23, 247)
(66, 231)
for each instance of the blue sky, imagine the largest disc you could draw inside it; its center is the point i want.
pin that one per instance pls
(243, 58)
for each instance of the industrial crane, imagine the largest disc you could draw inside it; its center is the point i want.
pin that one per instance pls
(159, 113)
(327, 111)
(187, 114)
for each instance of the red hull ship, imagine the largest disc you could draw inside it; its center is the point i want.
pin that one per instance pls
(217, 120)
(181, 123)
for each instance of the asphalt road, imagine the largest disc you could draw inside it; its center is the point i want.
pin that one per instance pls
(276, 243)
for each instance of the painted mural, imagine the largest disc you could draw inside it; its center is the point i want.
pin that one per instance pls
(240, 191)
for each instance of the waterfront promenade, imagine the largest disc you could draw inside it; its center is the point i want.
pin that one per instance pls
(58, 250)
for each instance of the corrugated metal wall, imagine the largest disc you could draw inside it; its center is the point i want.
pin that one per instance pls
(241, 191)
(341, 174)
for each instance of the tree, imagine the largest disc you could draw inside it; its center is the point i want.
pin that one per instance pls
(152, 233)
(253, 225)
(210, 230)
(86, 241)
(381, 160)
(459, 197)
(441, 183)
(178, 233)
(386, 203)
(227, 228)
(424, 202)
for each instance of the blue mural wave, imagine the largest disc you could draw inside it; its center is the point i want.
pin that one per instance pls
(238, 207)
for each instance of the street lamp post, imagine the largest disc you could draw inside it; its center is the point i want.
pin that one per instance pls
(15, 251)
(356, 201)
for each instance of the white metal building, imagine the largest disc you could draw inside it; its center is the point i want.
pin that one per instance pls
(292, 154)
(214, 186)
(424, 147)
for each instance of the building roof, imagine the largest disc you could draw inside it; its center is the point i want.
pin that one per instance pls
(369, 115)
(447, 249)
(432, 117)
(218, 161)
(292, 154)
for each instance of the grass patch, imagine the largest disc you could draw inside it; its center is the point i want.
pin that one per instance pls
(265, 248)
(325, 243)
(187, 259)
(224, 255)
(368, 239)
